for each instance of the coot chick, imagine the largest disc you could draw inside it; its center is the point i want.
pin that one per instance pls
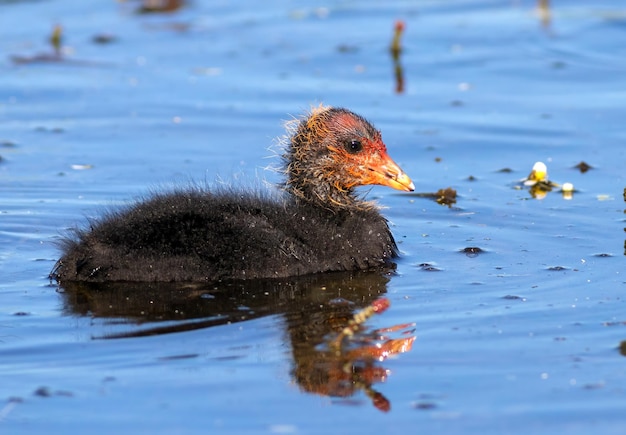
(316, 224)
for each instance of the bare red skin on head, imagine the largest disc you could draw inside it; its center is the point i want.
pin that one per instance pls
(349, 122)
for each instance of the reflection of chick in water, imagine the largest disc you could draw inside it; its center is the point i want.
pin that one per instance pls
(316, 307)
(339, 371)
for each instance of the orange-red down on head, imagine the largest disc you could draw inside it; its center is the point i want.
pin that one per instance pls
(334, 150)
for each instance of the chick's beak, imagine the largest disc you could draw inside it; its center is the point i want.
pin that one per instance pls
(386, 172)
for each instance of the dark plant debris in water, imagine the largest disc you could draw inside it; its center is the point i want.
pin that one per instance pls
(160, 6)
(424, 406)
(472, 251)
(614, 323)
(347, 48)
(557, 268)
(428, 267)
(583, 167)
(514, 298)
(55, 40)
(622, 348)
(103, 38)
(47, 392)
(427, 402)
(445, 196)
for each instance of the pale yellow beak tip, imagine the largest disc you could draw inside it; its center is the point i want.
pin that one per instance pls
(403, 180)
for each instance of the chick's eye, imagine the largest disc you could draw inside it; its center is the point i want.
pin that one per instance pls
(354, 146)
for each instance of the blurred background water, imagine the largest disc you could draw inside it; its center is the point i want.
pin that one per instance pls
(525, 336)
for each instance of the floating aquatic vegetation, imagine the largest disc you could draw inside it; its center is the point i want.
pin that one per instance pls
(583, 167)
(160, 6)
(446, 196)
(539, 174)
(103, 38)
(396, 45)
(56, 39)
(396, 50)
(472, 251)
(56, 55)
(539, 184)
(567, 190)
(428, 267)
